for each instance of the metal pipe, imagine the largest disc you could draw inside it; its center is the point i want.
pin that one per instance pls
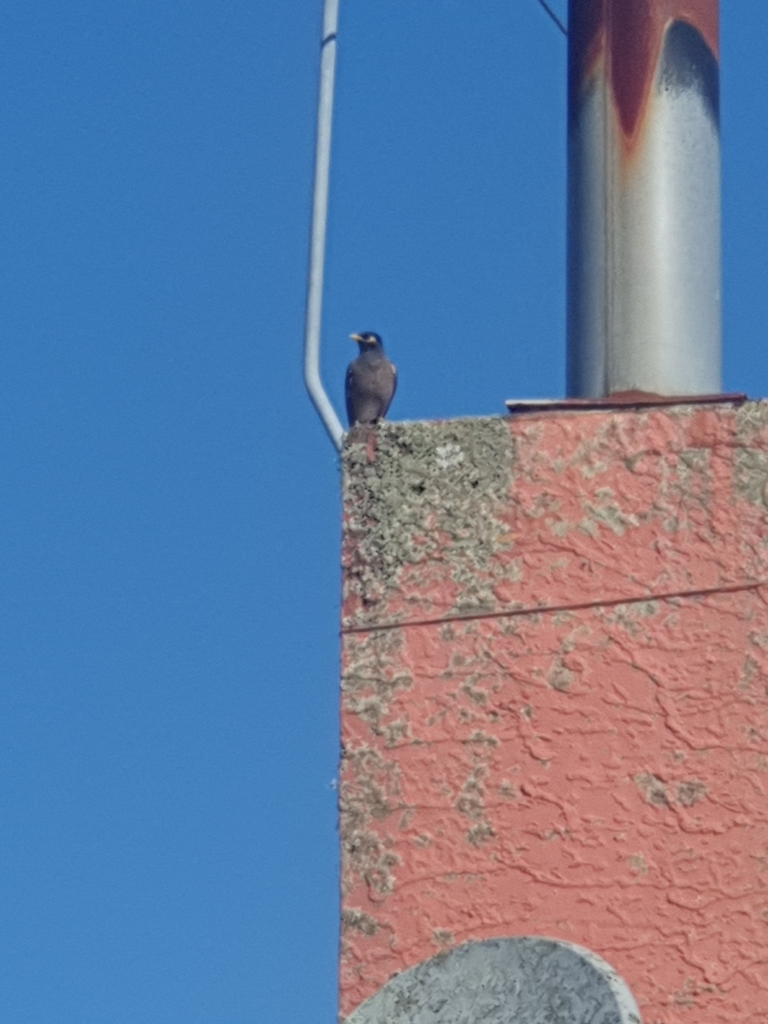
(643, 197)
(313, 322)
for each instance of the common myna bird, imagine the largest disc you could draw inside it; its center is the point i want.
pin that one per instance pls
(371, 381)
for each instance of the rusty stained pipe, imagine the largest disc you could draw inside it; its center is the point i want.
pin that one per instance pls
(643, 197)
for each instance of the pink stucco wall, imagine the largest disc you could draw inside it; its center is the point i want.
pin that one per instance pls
(554, 700)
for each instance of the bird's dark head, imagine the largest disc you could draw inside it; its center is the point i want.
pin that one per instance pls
(368, 341)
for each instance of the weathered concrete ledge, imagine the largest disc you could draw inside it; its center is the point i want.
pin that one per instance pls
(483, 515)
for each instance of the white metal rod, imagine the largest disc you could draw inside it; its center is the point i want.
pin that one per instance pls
(313, 324)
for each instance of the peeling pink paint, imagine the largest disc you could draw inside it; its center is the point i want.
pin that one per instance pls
(555, 710)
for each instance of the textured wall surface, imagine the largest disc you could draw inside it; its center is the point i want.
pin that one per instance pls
(554, 709)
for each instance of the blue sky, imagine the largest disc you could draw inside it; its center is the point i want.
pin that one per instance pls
(169, 572)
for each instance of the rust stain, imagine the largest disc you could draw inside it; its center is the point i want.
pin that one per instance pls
(626, 37)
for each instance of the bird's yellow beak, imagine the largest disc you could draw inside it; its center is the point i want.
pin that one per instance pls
(357, 337)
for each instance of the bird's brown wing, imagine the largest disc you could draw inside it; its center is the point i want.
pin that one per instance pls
(369, 389)
(350, 392)
(387, 380)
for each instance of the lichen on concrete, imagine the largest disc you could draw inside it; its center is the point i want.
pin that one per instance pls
(751, 421)
(750, 460)
(354, 919)
(372, 673)
(416, 493)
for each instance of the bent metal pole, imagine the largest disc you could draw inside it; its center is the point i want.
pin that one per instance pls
(318, 230)
(644, 197)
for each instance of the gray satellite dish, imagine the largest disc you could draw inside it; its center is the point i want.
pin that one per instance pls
(504, 981)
